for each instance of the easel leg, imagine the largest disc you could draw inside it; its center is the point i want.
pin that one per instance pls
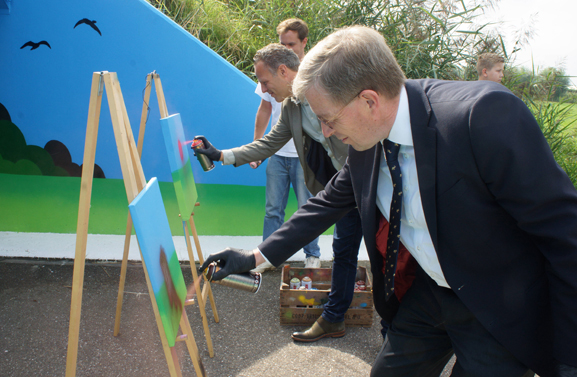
(199, 295)
(128, 233)
(201, 260)
(123, 275)
(175, 360)
(191, 345)
(82, 224)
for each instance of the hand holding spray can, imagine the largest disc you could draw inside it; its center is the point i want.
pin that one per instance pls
(249, 281)
(205, 162)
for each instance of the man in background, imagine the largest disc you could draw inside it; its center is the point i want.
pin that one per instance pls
(490, 67)
(283, 167)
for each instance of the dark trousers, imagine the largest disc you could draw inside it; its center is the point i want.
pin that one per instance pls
(347, 238)
(431, 325)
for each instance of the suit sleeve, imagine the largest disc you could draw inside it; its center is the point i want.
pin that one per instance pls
(312, 219)
(517, 165)
(265, 147)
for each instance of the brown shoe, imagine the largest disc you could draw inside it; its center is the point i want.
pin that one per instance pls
(320, 329)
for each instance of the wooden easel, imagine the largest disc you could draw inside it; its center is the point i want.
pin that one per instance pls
(134, 182)
(206, 289)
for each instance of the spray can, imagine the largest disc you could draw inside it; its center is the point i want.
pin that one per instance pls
(307, 282)
(295, 283)
(205, 162)
(249, 281)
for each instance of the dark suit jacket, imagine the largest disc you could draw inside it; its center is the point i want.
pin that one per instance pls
(500, 211)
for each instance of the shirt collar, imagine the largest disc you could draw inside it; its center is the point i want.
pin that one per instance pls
(401, 130)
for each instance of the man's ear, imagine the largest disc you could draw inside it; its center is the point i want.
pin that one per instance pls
(370, 98)
(304, 42)
(282, 70)
(484, 72)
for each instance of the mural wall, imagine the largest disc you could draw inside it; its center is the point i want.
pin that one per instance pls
(48, 52)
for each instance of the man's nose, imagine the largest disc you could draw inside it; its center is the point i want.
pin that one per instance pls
(327, 131)
(263, 88)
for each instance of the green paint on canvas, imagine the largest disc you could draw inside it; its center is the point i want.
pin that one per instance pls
(185, 189)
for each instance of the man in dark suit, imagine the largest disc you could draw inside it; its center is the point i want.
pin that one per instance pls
(484, 209)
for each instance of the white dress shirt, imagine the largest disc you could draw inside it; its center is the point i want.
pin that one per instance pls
(414, 232)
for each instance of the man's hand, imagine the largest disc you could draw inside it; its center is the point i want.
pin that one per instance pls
(255, 164)
(231, 261)
(209, 150)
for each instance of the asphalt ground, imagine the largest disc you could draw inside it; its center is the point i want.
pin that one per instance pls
(248, 340)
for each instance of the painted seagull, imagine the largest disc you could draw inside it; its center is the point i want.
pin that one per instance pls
(35, 45)
(89, 23)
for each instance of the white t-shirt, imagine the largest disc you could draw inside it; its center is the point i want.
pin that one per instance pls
(288, 150)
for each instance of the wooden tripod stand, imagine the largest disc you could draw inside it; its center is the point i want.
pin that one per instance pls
(206, 290)
(134, 182)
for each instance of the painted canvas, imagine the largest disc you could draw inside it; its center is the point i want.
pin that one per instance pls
(180, 168)
(159, 254)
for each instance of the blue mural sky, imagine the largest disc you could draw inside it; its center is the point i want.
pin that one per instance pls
(46, 89)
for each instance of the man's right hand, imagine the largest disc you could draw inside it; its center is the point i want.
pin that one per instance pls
(255, 164)
(209, 150)
(231, 261)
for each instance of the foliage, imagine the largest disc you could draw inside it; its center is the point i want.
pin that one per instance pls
(430, 38)
(546, 84)
(556, 120)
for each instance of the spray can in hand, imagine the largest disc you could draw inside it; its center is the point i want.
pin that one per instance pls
(249, 281)
(205, 162)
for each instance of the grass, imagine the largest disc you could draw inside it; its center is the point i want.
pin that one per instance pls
(571, 117)
(50, 205)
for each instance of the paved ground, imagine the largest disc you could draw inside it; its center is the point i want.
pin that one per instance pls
(248, 341)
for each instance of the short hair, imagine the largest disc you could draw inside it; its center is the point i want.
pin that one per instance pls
(274, 55)
(294, 24)
(348, 61)
(488, 60)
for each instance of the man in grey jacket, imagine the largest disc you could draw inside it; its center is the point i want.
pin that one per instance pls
(320, 157)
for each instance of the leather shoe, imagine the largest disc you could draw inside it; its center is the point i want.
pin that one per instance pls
(320, 329)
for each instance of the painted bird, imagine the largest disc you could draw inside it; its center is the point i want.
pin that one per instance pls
(35, 45)
(89, 23)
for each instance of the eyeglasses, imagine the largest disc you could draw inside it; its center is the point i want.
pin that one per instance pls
(330, 123)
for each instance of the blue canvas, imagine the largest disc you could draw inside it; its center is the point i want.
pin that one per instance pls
(181, 170)
(154, 238)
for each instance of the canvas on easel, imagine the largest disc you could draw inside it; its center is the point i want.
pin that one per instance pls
(179, 162)
(161, 262)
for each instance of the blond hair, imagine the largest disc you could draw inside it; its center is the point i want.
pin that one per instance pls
(488, 60)
(348, 61)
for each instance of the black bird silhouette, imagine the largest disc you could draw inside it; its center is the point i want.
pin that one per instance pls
(88, 22)
(35, 45)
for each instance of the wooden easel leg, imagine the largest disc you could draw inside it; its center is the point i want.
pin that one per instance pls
(199, 295)
(175, 360)
(191, 345)
(82, 224)
(128, 233)
(201, 260)
(123, 275)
